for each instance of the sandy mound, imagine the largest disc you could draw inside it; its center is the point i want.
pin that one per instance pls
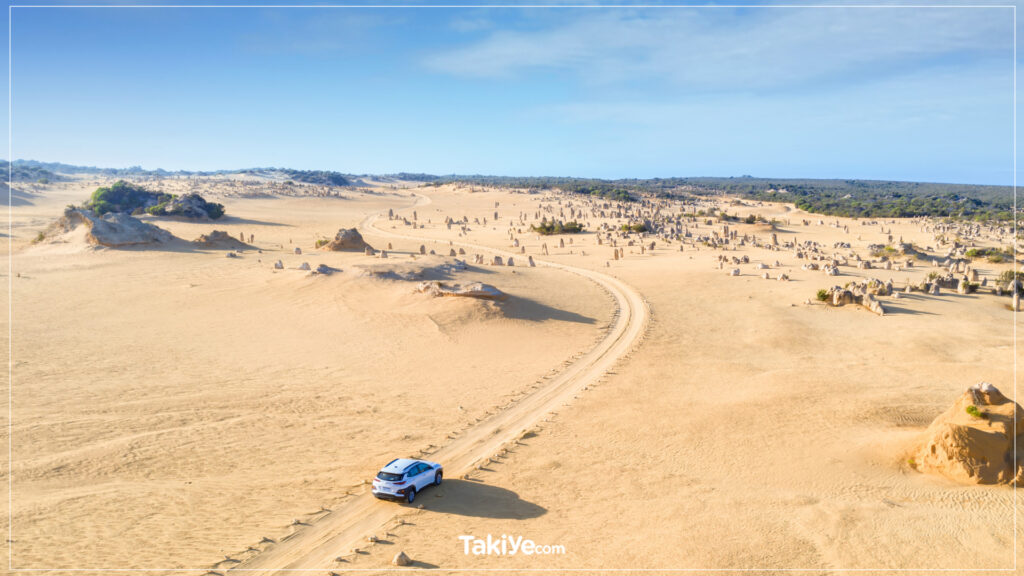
(114, 229)
(348, 240)
(474, 290)
(973, 441)
(219, 239)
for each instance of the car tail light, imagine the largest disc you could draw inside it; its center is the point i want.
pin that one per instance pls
(398, 483)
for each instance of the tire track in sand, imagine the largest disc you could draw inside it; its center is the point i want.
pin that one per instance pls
(316, 546)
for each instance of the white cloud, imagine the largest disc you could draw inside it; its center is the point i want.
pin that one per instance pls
(715, 49)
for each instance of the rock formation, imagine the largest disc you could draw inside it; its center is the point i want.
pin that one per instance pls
(347, 239)
(401, 559)
(973, 441)
(220, 239)
(475, 290)
(113, 229)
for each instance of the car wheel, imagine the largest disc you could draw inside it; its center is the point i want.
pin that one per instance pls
(410, 495)
(437, 479)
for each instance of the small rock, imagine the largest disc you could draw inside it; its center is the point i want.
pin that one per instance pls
(401, 559)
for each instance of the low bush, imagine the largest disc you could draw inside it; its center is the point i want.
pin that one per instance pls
(638, 228)
(547, 228)
(973, 411)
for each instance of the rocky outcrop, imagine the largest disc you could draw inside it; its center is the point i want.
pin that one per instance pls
(347, 239)
(868, 301)
(475, 290)
(973, 441)
(855, 294)
(114, 229)
(220, 240)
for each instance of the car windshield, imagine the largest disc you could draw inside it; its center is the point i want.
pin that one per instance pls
(389, 476)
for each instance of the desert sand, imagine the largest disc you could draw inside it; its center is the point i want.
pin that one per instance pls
(174, 408)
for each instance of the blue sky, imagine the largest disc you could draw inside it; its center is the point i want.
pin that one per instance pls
(893, 93)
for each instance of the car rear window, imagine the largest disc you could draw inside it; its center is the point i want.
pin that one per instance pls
(389, 476)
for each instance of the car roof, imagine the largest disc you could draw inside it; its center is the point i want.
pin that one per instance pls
(399, 465)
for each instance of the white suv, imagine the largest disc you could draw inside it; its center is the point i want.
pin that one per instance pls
(402, 478)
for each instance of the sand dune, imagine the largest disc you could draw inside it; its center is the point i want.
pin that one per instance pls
(176, 407)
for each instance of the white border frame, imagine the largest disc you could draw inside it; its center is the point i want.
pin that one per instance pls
(10, 279)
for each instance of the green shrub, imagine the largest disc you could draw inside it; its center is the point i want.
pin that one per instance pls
(124, 197)
(994, 255)
(321, 242)
(39, 238)
(1007, 276)
(638, 228)
(547, 228)
(973, 411)
(215, 210)
(823, 295)
(119, 197)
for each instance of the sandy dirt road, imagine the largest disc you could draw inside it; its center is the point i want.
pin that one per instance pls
(337, 532)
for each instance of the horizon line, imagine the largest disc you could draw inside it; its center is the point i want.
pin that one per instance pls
(482, 175)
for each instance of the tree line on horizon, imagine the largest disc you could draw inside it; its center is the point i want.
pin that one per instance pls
(838, 197)
(832, 197)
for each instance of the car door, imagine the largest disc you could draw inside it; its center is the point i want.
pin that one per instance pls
(422, 480)
(413, 476)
